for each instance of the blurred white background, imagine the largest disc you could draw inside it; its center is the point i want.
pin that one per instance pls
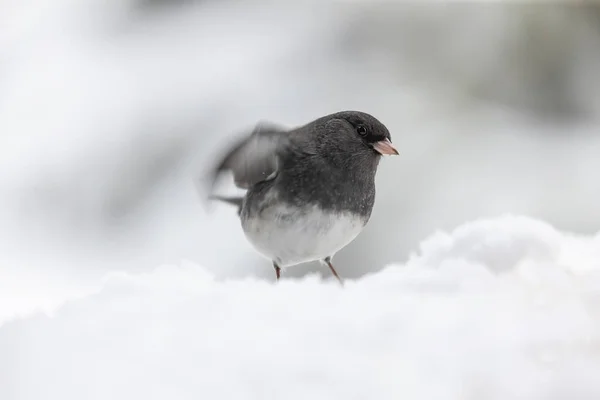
(111, 110)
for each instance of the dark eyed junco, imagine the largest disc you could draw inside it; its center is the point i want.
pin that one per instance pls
(311, 189)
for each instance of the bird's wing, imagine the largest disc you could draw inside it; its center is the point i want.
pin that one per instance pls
(255, 158)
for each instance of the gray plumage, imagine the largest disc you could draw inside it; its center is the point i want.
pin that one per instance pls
(311, 189)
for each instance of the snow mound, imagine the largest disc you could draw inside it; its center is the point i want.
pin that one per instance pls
(507, 308)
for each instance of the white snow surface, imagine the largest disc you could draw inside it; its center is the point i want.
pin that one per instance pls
(505, 308)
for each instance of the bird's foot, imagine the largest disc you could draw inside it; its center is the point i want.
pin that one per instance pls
(277, 270)
(330, 265)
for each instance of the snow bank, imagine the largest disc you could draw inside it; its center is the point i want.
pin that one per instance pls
(499, 309)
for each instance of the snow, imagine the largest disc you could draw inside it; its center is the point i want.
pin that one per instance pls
(502, 308)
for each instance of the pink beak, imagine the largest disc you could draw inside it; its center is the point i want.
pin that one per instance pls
(385, 147)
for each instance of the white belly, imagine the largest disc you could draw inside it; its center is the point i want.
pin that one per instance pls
(290, 237)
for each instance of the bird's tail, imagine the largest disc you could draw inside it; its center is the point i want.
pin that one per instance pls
(235, 201)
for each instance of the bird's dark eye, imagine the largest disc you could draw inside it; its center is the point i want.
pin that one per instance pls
(362, 130)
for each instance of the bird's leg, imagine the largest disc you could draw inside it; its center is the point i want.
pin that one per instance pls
(277, 270)
(327, 261)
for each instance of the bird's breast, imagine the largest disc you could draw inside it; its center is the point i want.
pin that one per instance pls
(291, 235)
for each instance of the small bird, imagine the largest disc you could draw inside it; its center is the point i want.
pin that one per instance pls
(310, 190)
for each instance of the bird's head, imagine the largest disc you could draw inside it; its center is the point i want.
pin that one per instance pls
(349, 134)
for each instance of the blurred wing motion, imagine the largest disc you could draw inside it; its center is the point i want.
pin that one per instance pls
(254, 159)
